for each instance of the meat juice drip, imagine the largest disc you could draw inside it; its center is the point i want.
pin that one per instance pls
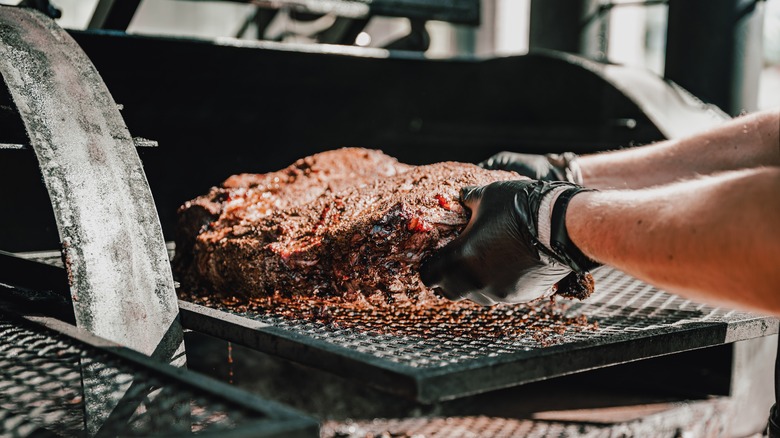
(230, 361)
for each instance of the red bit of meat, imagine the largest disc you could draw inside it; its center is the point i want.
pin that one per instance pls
(443, 202)
(283, 253)
(349, 223)
(418, 225)
(323, 216)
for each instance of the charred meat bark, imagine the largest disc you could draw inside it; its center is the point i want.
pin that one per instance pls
(246, 199)
(350, 223)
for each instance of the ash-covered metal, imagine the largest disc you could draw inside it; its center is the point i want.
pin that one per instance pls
(120, 279)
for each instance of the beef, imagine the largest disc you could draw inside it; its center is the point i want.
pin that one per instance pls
(246, 199)
(350, 223)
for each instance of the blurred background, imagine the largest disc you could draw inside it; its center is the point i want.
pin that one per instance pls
(636, 31)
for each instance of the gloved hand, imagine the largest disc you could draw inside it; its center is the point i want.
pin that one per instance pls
(549, 167)
(515, 247)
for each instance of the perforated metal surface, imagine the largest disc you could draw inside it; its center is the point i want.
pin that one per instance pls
(621, 306)
(686, 419)
(635, 321)
(434, 359)
(460, 427)
(43, 376)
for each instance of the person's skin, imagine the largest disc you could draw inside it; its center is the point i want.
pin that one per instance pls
(715, 238)
(745, 142)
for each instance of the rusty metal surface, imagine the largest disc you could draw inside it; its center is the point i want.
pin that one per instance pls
(120, 279)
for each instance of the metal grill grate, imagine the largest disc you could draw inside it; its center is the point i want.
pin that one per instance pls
(635, 321)
(460, 427)
(431, 360)
(51, 383)
(694, 419)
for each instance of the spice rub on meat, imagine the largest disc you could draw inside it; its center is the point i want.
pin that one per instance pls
(350, 223)
(245, 201)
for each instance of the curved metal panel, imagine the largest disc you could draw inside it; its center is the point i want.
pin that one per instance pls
(113, 246)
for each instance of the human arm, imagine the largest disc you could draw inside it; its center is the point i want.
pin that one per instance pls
(713, 239)
(515, 247)
(745, 142)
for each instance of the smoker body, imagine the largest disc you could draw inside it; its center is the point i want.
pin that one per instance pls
(224, 107)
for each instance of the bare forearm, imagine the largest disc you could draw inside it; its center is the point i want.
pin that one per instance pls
(745, 142)
(713, 239)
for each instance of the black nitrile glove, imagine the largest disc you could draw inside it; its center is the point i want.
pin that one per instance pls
(501, 257)
(549, 167)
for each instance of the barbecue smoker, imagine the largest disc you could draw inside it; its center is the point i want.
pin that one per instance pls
(658, 365)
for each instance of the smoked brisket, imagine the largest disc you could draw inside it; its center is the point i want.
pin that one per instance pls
(350, 223)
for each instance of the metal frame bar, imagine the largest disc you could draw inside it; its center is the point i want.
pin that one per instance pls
(454, 11)
(113, 14)
(281, 420)
(106, 217)
(714, 50)
(434, 384)
(428, 385)
(569, 26)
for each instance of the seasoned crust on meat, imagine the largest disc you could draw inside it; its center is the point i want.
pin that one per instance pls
(349, 222)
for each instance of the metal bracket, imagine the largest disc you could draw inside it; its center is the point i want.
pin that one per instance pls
(139, 142)
(118, 270)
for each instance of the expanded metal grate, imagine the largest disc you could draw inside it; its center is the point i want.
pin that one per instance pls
(437, 360)
(621, 306)
(54, 385)
(460, 427)
(692, 419)
(430, 358)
